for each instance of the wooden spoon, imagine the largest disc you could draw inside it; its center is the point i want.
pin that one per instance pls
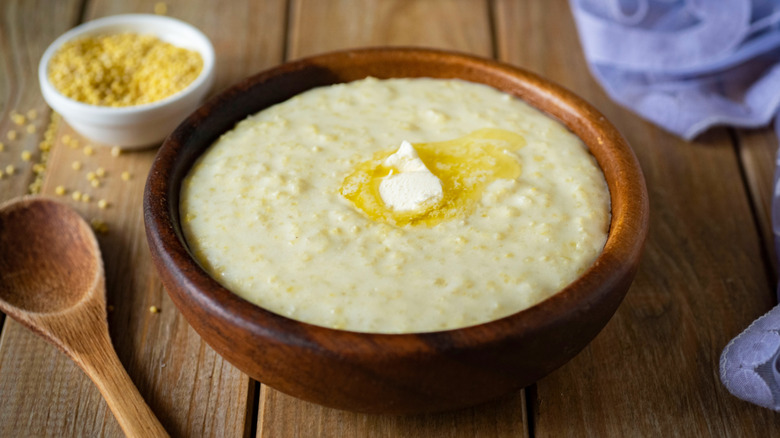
(52, 281)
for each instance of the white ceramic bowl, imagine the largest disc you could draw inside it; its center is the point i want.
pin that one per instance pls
(138, 125)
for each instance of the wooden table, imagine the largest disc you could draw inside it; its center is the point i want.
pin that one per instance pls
(707, 272)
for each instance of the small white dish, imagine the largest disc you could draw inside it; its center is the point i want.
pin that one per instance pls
(139, 125)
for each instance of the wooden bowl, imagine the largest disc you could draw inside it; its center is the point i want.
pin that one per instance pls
(403, 373)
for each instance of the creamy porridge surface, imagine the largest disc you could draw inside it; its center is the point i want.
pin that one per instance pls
(270, 209)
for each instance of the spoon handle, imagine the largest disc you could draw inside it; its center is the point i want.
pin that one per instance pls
(102, 365)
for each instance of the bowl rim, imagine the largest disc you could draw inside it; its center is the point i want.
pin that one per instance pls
(165, 24)
(625, 241)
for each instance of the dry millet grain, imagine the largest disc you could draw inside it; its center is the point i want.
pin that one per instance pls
(160, 8)
(18, 119)
(122, 69)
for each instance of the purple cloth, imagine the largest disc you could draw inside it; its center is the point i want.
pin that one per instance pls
(688, 65)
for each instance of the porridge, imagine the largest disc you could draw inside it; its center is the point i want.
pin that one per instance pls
(396, 206)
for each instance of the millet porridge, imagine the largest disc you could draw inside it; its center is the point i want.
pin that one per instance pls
(396, 206)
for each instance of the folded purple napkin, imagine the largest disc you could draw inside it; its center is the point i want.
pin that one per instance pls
(688, 65)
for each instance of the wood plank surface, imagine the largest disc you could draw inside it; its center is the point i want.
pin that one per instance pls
(708, 269)
(193, 391)
(24, 36)
(323, 25)
(757, 151)
(654, 370)
(319, 26)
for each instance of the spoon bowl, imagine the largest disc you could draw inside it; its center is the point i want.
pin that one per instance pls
(52, 281)
(69, 279)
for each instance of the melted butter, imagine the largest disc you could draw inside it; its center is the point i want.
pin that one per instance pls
(465, 166)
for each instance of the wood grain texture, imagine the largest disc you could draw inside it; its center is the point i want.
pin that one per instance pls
(654, 369)
(26, 29)
(757, 150)
(652, 372)
(191, 389)
(285, 416)
(319, 26)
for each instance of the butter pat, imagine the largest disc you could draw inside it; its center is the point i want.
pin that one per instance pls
(413, 186)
